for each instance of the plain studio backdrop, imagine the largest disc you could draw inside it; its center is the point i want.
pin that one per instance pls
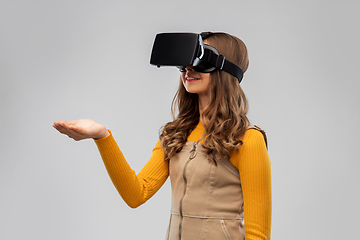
(90, 59)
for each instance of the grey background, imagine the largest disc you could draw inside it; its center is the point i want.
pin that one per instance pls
(90, 59)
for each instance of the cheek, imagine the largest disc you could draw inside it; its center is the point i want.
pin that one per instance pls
(206, 78)
(182, 78)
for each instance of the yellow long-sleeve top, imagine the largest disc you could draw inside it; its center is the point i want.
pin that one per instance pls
(251, 160)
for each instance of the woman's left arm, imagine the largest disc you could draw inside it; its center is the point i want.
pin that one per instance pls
(253, 163)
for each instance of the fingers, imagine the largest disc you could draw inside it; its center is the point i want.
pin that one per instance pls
(60, 126)
(69, 130)
(59, 122)
(73, 122)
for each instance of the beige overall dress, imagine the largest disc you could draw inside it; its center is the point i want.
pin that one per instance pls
(207, 200)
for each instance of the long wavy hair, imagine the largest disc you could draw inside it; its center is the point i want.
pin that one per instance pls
(224, 119)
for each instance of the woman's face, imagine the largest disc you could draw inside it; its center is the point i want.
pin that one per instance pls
(196, 82)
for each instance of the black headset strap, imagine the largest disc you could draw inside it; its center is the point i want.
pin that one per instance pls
(221, 63)
(233, 69)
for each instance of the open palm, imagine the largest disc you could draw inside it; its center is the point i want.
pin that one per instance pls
(81, 129)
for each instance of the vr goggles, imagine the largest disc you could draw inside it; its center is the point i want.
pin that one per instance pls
(187, 49)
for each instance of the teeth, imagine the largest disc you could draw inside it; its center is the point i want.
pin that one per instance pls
(189, 78)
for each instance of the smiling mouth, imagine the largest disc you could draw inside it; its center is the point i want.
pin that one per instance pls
(190, 79)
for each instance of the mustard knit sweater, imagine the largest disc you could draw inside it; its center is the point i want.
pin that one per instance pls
(251, 160)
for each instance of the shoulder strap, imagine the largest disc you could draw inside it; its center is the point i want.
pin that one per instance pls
(260, 130)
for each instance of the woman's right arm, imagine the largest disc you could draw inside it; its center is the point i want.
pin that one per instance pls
(134, 189)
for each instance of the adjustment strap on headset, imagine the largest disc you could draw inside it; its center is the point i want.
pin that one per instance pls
(221, 63)
(234, 70)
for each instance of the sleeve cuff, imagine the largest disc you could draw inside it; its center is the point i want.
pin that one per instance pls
(105, 139)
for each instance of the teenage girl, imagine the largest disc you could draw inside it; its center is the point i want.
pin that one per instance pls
(217, 162)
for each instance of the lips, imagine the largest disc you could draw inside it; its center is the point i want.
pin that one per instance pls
(190, 78)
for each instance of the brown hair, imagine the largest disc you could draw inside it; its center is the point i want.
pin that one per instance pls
(224, 119)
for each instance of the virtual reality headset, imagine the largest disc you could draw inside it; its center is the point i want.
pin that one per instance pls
(187, 49)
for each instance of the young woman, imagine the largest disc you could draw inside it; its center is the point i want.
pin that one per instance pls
(217, 162)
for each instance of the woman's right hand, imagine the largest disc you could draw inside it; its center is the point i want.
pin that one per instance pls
(81, 129)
